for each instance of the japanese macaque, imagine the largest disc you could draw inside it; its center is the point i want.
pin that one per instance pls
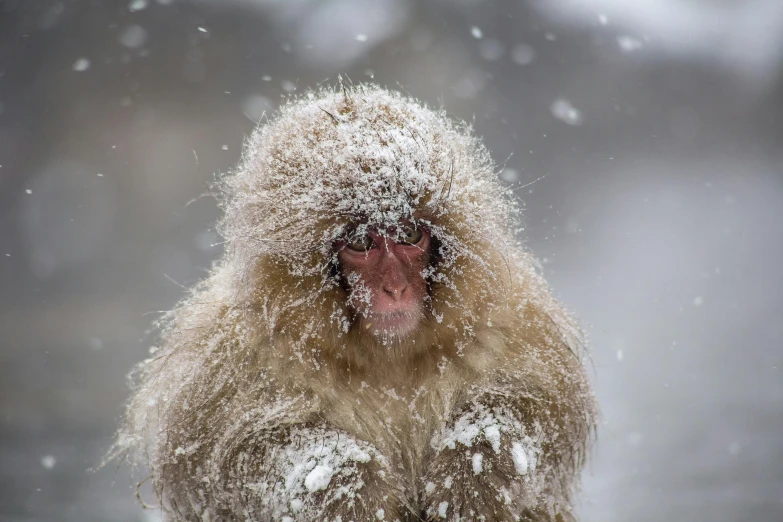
(375, 343)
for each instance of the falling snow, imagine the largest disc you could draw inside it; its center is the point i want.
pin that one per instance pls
(48, 461)
(629, 44)
(133, 36)
(82, 64)
(137, 5)
(523, 54)
(564, 111)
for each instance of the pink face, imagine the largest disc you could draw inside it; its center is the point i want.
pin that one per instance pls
(385, 282)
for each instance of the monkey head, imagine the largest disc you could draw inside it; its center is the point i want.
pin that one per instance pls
(360, 213)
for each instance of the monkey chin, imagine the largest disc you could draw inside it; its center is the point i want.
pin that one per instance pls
(391, 327)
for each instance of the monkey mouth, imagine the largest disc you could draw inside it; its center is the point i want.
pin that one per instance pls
(398, 323)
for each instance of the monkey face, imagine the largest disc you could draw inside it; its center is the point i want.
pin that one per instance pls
(384, 275)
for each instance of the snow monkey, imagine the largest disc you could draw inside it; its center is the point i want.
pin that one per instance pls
(374, 345)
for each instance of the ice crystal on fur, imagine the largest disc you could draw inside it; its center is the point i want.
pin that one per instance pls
(264, 402)
(308, 464)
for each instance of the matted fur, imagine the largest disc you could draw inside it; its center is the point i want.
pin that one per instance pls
(262, 358)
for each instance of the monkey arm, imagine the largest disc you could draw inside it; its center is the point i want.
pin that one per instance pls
(280, 461)
(501, 457)
(306, 472)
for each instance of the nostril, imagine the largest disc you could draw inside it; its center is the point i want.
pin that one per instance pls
(395, 291)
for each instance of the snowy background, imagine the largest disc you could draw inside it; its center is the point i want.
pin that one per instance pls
(654, 129)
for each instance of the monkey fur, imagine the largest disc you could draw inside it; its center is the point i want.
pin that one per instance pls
(263, 401)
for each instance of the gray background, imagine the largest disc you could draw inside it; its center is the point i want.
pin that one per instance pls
(658, 218)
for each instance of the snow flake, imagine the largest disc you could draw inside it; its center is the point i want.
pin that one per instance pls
(296, 505)
(133, 37)
(519, 457)
(80, 65)
(564, 111)
(509, 175)
(318, 478)
(492, 433)
(477, 463)
(137, 5)
(629, 44)
(522, 54)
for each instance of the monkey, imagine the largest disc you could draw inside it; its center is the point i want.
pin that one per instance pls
(375, 343)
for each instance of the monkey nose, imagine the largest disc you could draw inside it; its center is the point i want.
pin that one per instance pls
(395, 289)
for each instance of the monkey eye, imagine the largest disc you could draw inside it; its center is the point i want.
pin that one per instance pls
(410, 234)
(362, 244)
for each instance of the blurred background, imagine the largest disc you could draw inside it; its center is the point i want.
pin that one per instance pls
(644, 138)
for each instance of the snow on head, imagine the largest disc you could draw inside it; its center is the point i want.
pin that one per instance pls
(363, 154)
(333, 164)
